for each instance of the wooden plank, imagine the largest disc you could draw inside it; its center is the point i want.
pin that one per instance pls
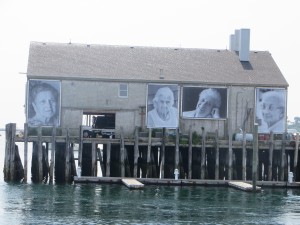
(243, 186)
(182, 182)
(132, 183)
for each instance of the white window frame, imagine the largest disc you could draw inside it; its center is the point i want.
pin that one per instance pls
(123, 90)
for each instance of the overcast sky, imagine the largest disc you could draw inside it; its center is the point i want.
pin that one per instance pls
(274, 26)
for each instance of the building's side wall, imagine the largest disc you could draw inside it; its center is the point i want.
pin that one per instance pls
(241, 108)
(92, 95)
(71, 118)
(96, 96)
(83, 96)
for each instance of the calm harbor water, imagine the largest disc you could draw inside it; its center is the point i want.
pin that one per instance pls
(116, 204)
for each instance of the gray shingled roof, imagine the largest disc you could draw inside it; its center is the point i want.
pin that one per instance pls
(144, 64)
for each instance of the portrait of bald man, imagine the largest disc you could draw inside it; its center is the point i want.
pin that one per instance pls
(162, 106)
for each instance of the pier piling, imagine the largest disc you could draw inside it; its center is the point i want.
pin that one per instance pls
(202, 156)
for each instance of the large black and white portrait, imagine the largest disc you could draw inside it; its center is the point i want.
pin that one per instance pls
(204, 102)
(43, 103)
(162, 106)
(271, 110)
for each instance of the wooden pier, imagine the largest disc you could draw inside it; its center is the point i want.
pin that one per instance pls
(148, 154)
(247, 185)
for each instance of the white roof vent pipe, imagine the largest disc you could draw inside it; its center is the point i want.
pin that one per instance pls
(236, 40)
(244, 44)
(231, 42)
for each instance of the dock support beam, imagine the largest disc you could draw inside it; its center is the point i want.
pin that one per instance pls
(244, 157)
(80, 146)
(296, 156)
(108, 150)
(283, 158)
(136, 153)
(203, 155)
(100, 157)
(230, 153)
(67, 159)
(255, 157)
(9, 163)
(94, 160)
(52, 160)
(40, 155)
(177, 151)
(25, 152)
(162, 154)
(217, 165)
(271, 150)
(149, 174)
(190, 153)
(122, 150)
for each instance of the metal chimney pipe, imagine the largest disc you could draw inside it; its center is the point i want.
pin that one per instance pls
(244, 44)
(236, 40)
(231, 42)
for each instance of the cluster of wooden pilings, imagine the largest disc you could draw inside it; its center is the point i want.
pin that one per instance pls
(148, 154)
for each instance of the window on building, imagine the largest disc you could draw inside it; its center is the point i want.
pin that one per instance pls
(123, 90)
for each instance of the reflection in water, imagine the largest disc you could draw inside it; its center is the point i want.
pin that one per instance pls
(107, 204)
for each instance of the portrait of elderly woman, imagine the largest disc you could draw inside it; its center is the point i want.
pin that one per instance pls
(162, 109)
(43, 103)
(199, 102)
(271, 110)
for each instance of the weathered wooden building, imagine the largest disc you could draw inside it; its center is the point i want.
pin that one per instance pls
(113, 79)
(123, 81)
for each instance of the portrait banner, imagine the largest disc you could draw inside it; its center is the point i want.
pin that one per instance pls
(204, 102)
(43, 102)
(162, 106)
(271, 110)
